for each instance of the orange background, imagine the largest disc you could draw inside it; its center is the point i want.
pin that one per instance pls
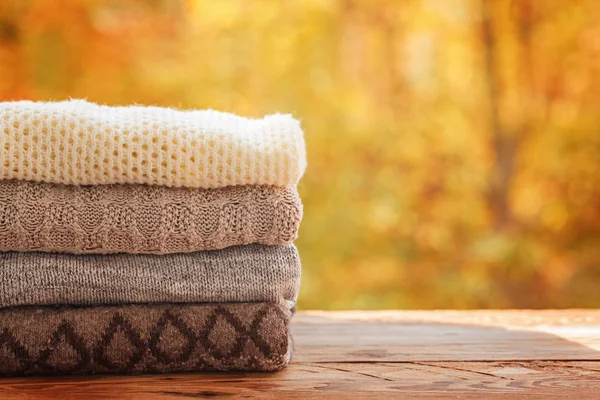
(454, 145)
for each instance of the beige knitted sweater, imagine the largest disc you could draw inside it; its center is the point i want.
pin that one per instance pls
(81, 143)
(38, 216)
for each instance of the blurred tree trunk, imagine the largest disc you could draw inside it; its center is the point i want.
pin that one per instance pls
(506, 135)
(501, 172)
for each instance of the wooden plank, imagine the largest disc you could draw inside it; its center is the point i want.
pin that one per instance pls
(528, 379)
(447, 354)
(392, 336)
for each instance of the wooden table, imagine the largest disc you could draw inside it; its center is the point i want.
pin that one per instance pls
(412, 354)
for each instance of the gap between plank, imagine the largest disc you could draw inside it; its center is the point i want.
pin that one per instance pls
(454, 361)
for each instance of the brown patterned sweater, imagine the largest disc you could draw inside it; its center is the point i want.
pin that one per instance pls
(144, 338)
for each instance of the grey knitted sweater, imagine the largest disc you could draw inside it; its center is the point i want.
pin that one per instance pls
(251, 273)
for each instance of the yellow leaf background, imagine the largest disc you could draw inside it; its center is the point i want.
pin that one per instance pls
(454, 145)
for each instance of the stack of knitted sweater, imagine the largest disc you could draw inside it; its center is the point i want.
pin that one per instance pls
(144, 239)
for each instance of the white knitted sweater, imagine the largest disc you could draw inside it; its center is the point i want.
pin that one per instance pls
(76, 142)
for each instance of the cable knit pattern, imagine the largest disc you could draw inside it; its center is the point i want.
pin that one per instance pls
(143, 219)
(235, 274)
(76, 142)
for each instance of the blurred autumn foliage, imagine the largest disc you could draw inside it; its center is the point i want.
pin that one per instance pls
(454, 145)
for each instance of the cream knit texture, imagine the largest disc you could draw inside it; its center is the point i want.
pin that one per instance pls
(81, 143)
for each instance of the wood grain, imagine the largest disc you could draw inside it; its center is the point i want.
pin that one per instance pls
(447, 335)
(441, 354)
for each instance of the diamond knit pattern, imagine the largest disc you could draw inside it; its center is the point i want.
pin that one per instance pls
(148, 338)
